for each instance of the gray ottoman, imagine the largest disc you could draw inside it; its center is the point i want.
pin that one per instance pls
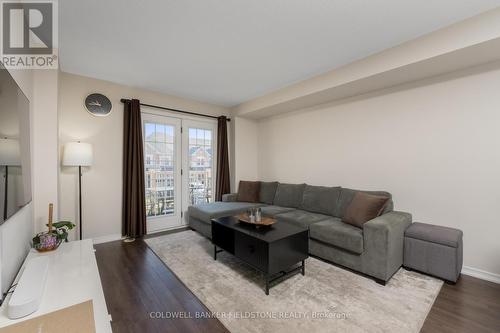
(434, 250)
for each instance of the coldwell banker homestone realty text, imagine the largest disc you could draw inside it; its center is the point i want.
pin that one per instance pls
(29, 34)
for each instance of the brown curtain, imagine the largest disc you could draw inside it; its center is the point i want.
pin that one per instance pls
(134, 206)
(223, 186)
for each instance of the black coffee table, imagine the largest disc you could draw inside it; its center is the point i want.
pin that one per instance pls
(273, 250)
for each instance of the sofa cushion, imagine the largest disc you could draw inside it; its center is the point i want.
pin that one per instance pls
(435, 234)
(248, 191)
(206, 212)
(289, 195)
(267, 192)
(301, 218)
(337, 233)
(347, 194)
(272, 211)
(363, 208)
(320, 199)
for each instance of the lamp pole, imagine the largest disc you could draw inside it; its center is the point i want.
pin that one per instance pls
(78, 154)
(80, 198)
(5, 195)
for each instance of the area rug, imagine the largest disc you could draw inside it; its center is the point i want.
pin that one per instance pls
(326, 299)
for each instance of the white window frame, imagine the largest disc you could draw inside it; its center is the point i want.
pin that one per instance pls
(185, 123)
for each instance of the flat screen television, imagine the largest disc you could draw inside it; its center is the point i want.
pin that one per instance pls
(15, 161)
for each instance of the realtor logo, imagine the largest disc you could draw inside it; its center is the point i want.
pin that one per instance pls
(27, 28)
(28, 34)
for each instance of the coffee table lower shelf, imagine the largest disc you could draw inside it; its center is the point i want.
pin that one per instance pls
(270, 279)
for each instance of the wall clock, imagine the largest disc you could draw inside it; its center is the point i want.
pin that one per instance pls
(98, 105)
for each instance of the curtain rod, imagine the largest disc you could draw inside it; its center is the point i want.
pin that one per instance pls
(123, 100)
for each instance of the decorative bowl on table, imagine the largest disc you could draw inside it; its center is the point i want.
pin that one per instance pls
(57, 233)
(45, 241)
(264, 221)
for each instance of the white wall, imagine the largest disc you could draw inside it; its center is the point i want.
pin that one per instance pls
(102, 183)
(44, 149)
(246, 150)
(435, 145)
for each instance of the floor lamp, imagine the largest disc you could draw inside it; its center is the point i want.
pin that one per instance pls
(78, 154)
(9, 156)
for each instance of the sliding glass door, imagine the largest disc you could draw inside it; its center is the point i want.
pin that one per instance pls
(179, 168)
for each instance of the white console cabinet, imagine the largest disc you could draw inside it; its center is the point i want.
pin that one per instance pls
(72, 278)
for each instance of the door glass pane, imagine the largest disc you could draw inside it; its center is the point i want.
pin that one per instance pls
(169, 131)
(159, 169)
(200, 165)
(149, 132)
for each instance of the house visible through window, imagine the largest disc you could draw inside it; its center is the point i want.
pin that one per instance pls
(200, 165)
(159, 152)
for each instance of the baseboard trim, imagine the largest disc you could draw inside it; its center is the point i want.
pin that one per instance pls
(115, 237)
(107, 238)
(480, 274)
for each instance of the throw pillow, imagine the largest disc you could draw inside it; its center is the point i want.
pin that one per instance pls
(363, 208)
(248, 191)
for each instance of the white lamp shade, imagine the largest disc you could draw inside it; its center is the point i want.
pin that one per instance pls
(10, 154)
(77, 154)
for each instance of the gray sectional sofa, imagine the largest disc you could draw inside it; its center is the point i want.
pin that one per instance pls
(375, 250)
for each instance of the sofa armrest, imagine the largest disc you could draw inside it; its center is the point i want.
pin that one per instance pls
(384, 238)
(229, 197)
(394, 223)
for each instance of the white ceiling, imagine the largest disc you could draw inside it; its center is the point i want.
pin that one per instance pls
(229, 51)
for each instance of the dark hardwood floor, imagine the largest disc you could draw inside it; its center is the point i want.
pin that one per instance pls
(136, 283)
(471, 305)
